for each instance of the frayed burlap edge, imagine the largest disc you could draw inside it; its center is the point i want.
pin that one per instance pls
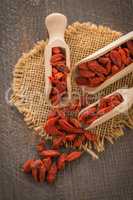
(17, 100)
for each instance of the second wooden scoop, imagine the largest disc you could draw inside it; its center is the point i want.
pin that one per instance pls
(101, 52)
(127, 95)
(56, 24)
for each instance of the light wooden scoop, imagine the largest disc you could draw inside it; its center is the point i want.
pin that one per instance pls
(56, 24)
(128, 69)
(127, 95)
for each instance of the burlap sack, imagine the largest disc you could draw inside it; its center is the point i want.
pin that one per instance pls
(28, 81)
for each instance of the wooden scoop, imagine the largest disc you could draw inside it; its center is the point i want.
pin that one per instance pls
(127, 95)
(56, 24)
(128, 69)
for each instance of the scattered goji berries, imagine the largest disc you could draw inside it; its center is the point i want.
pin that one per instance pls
(69, 128)
(92, 113)
(93, 73)
(47, 168)
(63, 129)
(59, 76)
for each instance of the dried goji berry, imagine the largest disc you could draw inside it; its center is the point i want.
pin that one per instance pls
(59, 75)
(35, 174)
(61, 114)
(41, 146)
(104, 110)
(61, 161)
(77, 142)
(56, 50)
(75, 122)
(75, 105)
(27, 166)
(95, 66)
(96, 81)
(68, 127)
(103, 60)
(36, 164)
(82, 81)
(50, 153)
(83, 66)
(115, 69)
(73, 156)
(57, 57)
(52, 114)
(42, 173)
(58, 64)
(52, 173)
(35, 169)
(50, 126)
(57, 142)
(54, 71)
(61, 86)
(102, 103)
(70, 137)
(47, 162)
(116, 58)
(50, 123)
(108, 67)
(123, 56)
(86, 73)
(126, 51)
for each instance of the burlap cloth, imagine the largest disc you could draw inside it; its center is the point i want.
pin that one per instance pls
(28, 81)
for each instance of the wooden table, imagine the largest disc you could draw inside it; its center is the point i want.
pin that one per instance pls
(111, 177)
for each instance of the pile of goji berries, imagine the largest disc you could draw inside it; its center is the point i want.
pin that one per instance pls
(59, 76)
(52, 161)
(62, 129)
(66, 129)
(104, 106)
(93, 73)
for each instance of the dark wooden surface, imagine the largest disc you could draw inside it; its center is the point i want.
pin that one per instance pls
(111, 177)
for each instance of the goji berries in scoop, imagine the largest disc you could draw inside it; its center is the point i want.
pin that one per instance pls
(59, 76)
(94, 73)
(104, 106)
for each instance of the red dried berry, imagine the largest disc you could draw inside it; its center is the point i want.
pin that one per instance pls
(52, 173)
(73, 156)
